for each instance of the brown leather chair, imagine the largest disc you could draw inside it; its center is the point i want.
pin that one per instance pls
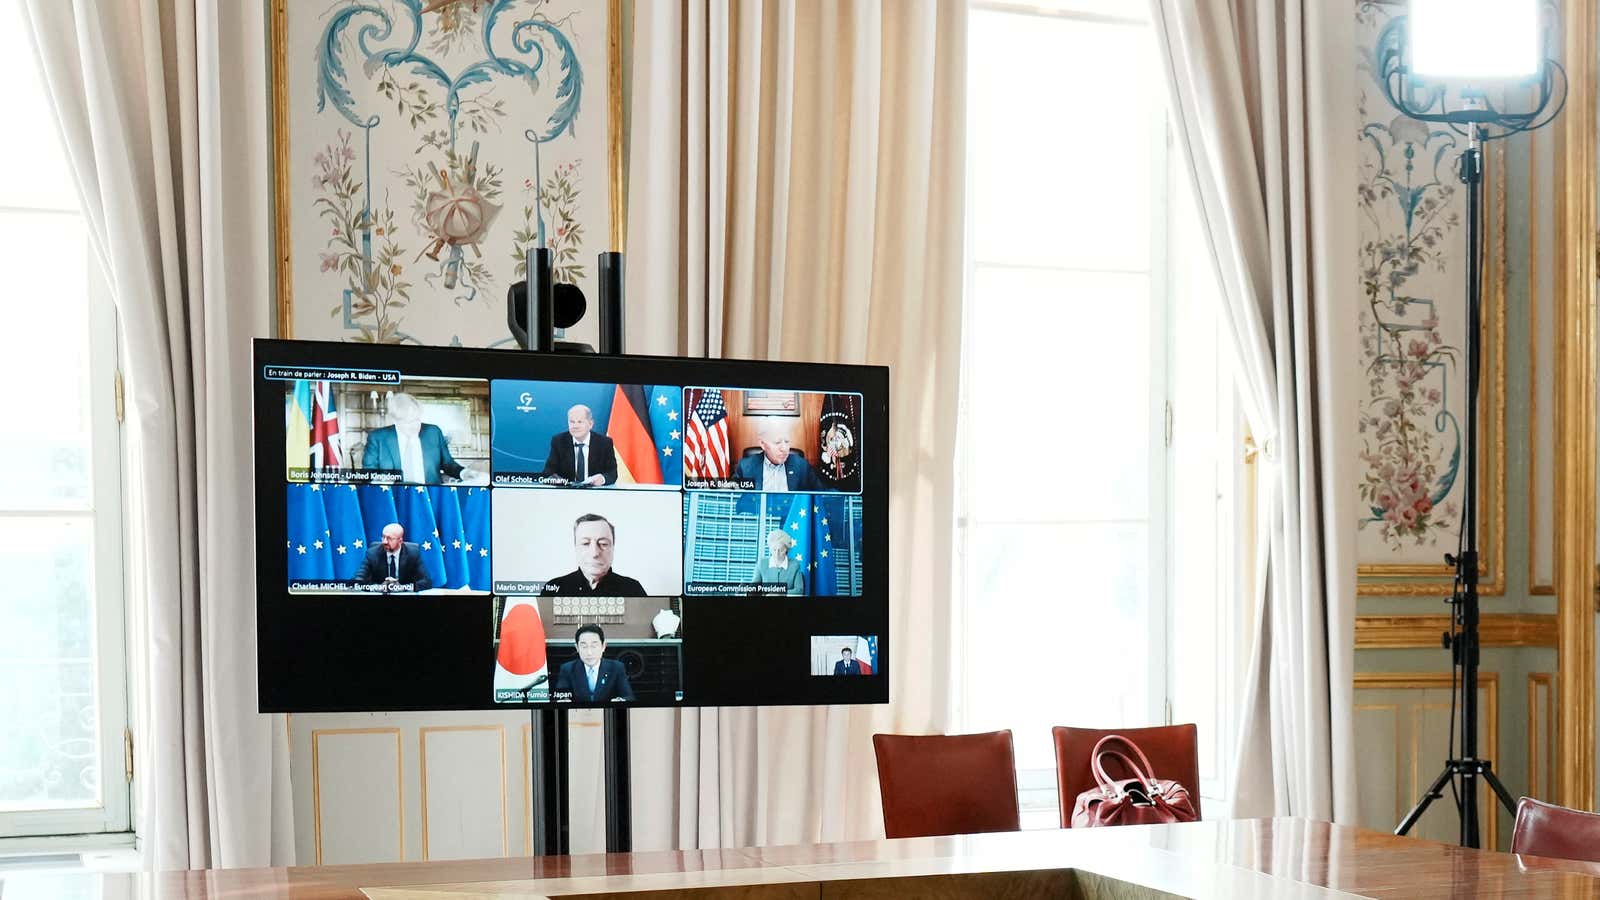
(1173, 751)
(1544, 829)
(937, 784)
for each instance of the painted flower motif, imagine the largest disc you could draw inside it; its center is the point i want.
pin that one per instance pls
(1408, 429)
(330, 261)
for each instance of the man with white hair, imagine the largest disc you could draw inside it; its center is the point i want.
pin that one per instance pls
(580, 455)
(394, 562)
(777, 468)
(410, 446)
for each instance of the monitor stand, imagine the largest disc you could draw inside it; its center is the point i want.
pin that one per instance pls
(551, 775)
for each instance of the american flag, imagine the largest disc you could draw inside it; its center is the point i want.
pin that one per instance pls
(705, 441)
(326, 449)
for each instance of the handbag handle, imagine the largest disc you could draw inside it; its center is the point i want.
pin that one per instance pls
(1141, 772)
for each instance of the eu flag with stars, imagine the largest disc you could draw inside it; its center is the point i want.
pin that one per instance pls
(377, 511)
(829, 541)
(346, 530)
(476, 514)
(415, 510)
(666, 425)
(310, 557)
(797, 524)
(452, 535)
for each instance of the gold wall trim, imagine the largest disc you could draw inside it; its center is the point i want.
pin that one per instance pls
(422, 751)
(614, 123)
(1495, 630)
(1535, 587)
(280, 167)
(282, 241)
(1575, 322)
(1489, 683)
(1537, 682)
(1491, 416)
(316, 783)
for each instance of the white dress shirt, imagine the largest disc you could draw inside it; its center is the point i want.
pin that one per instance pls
(774, 478)
(411, 458)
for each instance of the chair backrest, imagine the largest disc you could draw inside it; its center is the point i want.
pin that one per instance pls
(1173, 751)
(1544, 829)
(756, 451)
(947, 784)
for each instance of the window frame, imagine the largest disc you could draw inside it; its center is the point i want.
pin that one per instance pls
(112, 815)
(1037, 792)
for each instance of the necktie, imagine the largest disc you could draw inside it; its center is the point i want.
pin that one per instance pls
(392, 571)
(579, 467)
(592, 674)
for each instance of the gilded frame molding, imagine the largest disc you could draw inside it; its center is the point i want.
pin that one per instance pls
(316, 783)
(1576, 347)
(283, 271)
(422, 760)
(1489, 683)
(1422, 632)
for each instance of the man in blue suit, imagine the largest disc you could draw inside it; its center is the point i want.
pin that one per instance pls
(848, 665)
(415, 449)
(591, 678)
(777, 470)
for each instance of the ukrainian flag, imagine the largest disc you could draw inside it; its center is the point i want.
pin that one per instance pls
(297, 426)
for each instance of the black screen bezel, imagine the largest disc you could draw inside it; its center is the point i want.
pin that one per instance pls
(308, 662)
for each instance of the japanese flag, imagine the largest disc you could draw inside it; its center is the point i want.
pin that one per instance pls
(520, 672)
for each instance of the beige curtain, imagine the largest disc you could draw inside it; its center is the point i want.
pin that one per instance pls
(796, 181)
(163, 113)
(1263, 94)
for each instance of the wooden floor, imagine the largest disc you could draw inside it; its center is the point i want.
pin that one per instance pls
(1286, 858)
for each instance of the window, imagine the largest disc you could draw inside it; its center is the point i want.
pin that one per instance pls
(1097, 425)
(63, 706)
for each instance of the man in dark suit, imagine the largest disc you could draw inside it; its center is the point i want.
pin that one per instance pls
(394, 562)
(415, 449)
(776, 469)
(848, 665)
(580, 455)
(594, 538)
(591, 678)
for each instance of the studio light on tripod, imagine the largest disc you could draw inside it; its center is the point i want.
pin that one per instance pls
(1481, 69)
(1476, 40)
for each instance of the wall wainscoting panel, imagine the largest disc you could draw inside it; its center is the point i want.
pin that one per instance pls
(1403, 736)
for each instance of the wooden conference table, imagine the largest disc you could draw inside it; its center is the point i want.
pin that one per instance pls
(1261, 858)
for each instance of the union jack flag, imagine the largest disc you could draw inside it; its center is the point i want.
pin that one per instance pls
(705, 440)
(327, 451)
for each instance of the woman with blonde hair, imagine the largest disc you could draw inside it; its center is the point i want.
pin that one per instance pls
(778, 567)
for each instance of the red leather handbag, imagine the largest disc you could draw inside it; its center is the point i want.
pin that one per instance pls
(1140, 800)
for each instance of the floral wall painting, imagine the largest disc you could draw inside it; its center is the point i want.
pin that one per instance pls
(423, 147)
(1412, 272)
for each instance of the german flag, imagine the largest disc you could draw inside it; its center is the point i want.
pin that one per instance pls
(638, 458)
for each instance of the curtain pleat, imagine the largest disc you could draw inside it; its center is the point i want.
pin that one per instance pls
(797, 172)
(162, 112)
(1264, 107)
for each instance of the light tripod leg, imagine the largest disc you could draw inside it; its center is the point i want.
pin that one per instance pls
(1499, 789)
(1433, 793)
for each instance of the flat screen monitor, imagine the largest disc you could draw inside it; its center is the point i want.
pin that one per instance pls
(442, 528)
